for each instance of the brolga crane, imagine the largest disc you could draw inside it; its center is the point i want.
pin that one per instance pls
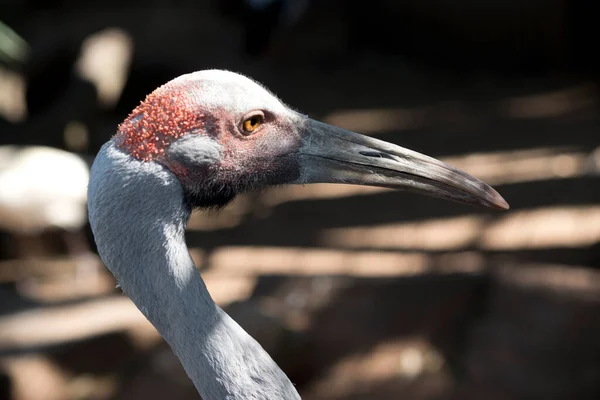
(197, 142)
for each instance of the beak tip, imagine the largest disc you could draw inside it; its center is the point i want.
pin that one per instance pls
(499, 203)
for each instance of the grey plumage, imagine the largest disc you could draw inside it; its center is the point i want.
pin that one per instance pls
(138, 217)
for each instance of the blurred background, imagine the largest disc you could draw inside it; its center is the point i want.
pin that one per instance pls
(358, 293)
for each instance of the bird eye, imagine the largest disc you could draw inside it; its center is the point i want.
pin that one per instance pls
(252, 123)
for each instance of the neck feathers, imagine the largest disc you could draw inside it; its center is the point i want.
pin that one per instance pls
(138, 215)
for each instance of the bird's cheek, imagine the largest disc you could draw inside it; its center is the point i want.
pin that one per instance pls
(238, 155)
(191, 175)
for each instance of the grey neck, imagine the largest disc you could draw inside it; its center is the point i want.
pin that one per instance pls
(138, 217)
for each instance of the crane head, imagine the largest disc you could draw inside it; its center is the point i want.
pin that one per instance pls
(223, 134)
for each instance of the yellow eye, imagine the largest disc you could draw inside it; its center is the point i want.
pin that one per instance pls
(252, 123)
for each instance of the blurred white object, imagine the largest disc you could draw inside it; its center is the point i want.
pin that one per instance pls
(13, 106)
(41, 188)
(104, 61)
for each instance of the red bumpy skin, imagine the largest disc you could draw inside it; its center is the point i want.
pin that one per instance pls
(165, 115)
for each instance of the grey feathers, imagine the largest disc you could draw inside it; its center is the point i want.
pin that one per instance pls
(138, 216)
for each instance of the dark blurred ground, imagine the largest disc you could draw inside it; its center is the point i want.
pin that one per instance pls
(357, 293)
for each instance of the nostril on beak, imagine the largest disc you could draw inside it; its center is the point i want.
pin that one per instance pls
(376, 154)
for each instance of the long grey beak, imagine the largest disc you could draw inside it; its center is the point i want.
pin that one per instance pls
(334, 155)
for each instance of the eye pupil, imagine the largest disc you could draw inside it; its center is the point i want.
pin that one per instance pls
(252, 123)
